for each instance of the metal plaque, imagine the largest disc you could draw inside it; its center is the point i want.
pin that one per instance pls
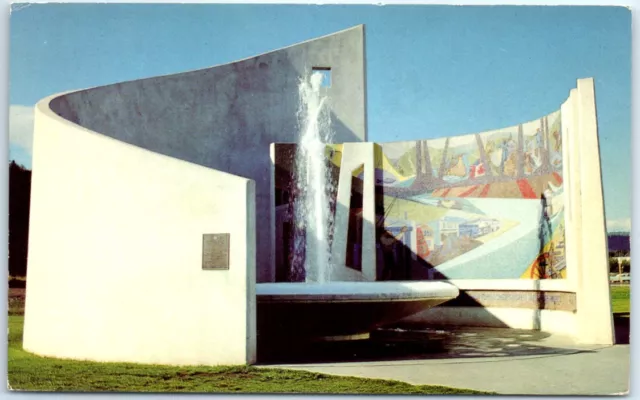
(215, 251)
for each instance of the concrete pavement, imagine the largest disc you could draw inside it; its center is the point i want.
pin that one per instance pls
(497, 360)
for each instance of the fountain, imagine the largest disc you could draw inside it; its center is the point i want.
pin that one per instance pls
(312, 249)
(321, 307)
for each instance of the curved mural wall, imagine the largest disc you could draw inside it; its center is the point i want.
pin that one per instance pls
(482, 206)
(488, 205)
(502, 214)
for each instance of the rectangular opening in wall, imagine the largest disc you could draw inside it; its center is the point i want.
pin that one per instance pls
(326, 75)
(354, 232)
(282, 270)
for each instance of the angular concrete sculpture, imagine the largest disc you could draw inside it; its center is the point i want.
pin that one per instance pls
(356, 155)
(133, 181)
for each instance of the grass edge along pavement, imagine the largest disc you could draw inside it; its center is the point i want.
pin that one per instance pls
(621, 299)
(29, 372)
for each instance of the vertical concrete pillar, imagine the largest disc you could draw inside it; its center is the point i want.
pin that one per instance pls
(354, 155)
(595, 317)
(271, 273)
(571, 183)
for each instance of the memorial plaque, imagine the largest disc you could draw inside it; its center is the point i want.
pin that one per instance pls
(215, 251)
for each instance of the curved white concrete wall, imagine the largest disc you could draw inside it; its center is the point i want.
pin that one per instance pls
(115, 253)
(128, 177)
(226, 117)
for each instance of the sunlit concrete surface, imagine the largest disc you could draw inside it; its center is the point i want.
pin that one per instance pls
(506, 361)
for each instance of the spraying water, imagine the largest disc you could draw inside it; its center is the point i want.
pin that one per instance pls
(313, 184)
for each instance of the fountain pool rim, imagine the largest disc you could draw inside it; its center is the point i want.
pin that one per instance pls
(341, 291)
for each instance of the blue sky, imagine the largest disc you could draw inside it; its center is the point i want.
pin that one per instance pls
(431, 70)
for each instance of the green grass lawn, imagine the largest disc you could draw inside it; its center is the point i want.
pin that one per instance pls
(621, 299)
(30, 372)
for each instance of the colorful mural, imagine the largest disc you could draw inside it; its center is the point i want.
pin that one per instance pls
(480, 206)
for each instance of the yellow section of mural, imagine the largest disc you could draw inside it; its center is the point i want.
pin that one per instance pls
(385, 165)
(505, 225)
(334, 153)
(411, 210)
(556, 244)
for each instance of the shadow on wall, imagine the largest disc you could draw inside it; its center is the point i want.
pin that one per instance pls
(544, 234)
(410, 340)
(223, 118)
(396, 260)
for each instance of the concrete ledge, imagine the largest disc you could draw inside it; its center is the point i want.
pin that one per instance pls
(356, 291)
(552, 321)
(225, 117)
(559, 285)
(533, 300)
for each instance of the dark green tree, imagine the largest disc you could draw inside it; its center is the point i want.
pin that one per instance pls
(19, 202)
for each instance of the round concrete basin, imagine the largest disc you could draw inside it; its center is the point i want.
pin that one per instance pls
(341, 310)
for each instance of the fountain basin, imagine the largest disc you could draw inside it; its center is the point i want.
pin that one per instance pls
(341, 310)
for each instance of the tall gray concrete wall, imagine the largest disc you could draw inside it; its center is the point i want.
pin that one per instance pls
(226, 117)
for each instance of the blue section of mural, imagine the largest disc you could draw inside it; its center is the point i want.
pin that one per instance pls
(481, 206)
(504, 256)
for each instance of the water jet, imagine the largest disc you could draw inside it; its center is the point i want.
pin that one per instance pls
(329, 305)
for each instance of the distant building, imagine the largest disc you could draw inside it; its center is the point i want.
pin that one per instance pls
(479, 227)
(471, 229)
